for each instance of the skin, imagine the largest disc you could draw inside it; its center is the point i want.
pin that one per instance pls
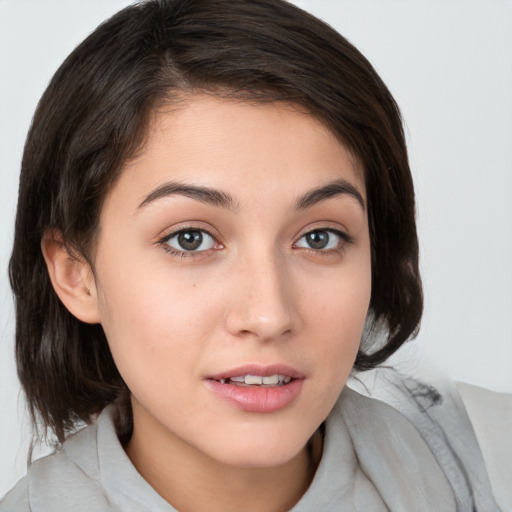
(257, 294)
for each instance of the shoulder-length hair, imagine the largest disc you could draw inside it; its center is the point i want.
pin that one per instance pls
(94, 116)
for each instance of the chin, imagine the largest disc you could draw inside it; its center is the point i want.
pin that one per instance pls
(261, 450)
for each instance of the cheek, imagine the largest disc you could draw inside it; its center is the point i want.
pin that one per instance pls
(337, 312)
(153, 319)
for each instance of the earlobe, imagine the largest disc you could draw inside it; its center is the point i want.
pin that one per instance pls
(72, 278)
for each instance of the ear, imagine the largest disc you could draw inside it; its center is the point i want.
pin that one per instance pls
(71, 276)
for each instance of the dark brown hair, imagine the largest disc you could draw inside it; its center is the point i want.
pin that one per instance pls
(94, 116)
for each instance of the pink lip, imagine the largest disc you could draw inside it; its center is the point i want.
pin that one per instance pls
(258, 399)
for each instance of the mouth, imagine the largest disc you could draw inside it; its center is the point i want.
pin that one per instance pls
(274, 375)
(254, 388)
(269, 381)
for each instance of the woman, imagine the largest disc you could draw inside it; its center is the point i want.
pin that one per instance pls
(212, 234)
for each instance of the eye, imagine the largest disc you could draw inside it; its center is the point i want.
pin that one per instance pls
(321, 239)
(190, 240)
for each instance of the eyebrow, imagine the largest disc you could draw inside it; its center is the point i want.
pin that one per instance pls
(332, 189)
(205, 195)
(221, 199)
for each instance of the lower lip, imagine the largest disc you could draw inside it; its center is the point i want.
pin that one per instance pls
(257, 399)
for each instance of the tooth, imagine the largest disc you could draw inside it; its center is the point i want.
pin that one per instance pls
(258, 379)
(253, 379)
(271, 379)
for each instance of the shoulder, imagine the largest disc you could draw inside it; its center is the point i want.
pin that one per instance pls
(490, 413)
(64, 480)
(16, 500)
(446, 422)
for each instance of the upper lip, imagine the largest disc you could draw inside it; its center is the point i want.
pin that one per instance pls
(261, 370)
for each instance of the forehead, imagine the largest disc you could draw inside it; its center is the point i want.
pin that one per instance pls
(242, 146)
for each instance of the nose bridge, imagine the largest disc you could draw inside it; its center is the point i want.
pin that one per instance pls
(263, 301)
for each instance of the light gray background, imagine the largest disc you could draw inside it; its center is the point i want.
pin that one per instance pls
(449, 65)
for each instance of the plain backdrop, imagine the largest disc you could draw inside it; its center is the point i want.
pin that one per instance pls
(448, 64)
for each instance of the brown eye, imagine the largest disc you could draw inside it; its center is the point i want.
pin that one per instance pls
(189, 240)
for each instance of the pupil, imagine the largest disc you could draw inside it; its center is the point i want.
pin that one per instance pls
(317, 239)
(190, 240)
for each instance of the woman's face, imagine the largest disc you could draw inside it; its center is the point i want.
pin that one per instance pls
(232, 277)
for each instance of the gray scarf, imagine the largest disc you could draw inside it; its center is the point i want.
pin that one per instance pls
(424, 458)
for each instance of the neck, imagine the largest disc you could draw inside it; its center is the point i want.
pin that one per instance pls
(189, 480)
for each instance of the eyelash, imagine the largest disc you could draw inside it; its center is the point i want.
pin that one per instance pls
(344, 240)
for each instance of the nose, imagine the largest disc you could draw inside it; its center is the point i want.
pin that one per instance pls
(262, 304)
